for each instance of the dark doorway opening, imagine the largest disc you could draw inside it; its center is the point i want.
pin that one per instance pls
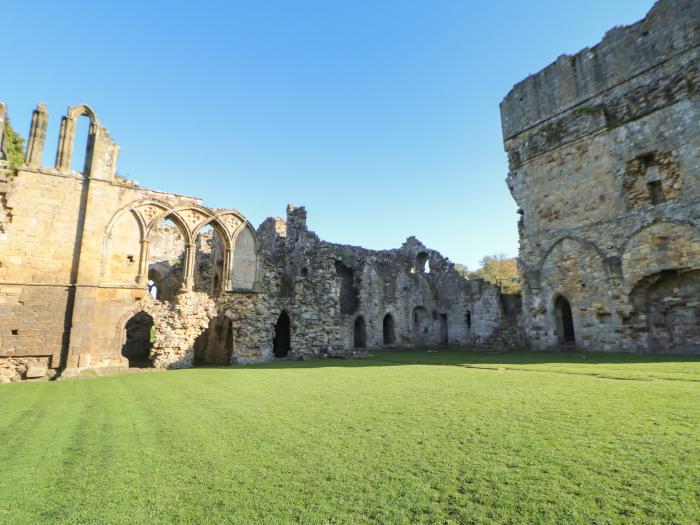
(388, 328)
(565, 321)
(444, 336)
(214, 346)
(360, 333)
(282, 342)
(139, 340)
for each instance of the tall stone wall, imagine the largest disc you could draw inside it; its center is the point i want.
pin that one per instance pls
(605, 167)
(99, 273)
(325, 288)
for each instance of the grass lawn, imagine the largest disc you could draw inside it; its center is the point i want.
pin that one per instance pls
(407, 436)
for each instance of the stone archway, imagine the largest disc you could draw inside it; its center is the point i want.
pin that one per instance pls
(139, 340)
(360, 333)
(565, 320)
(282, 342)
(388, 330)
(669, 304)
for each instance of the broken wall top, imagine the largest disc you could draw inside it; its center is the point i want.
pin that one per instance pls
(670, 28)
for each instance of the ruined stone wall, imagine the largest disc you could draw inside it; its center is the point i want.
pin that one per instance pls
(81, 253)
(326, 287)
(74, 258)
(605, 167)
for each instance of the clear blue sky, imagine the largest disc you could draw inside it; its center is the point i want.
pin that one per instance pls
(380, 116)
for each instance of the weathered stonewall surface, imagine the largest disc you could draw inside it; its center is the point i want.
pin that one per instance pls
(604, 160)
(97, 273)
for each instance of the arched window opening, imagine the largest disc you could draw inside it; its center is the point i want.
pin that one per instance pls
(281, 344)
(209, 261)
(82, 147)
(166, 259)
(421, 263)
(140, 336)
(388, 329)
(667, 300)
(214, 346)
(565, 320)
(360, 333)
(349, 294)
(152, 288)
(245, 261)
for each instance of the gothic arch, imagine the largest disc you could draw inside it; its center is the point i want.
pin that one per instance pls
(81, 110)
(660, 246)
(122, 248)
(574, 238)
(144, 305)
(575, 268)
(215, 223)
(177, 219)
(244, 260)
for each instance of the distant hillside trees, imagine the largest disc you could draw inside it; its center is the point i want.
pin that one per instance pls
(497, 269)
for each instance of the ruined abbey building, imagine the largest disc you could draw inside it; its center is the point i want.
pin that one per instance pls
(604, 153)
(99, 273)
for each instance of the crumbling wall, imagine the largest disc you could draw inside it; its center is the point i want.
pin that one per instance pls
(325, 288)
(89, 260)
(604, 166)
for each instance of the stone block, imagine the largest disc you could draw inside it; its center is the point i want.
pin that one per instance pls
(36, 372)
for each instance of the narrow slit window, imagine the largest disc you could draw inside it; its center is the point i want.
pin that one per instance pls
(656, 192)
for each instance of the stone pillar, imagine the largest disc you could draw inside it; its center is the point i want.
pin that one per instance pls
(2, 130)
(227, 276)
(93, 135)
(190, 256)
(66, 138)
(37, 136)
(142, 278)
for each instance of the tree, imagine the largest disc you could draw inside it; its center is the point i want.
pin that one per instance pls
(462, 270)
(500, 270)
(13, 147)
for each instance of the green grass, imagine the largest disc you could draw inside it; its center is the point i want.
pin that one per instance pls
(405, 437)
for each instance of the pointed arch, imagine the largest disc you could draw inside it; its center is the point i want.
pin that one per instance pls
(83, 110)
(575, 239)
(121, 250)
(359, 333)
(244, 268)
(564, 319)
(660, 245)
(282, 341)
(388, 330)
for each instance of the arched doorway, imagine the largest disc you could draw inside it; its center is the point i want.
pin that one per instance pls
(360, 333)
(565, 320)
(139, 340)
(281, 344)
(421, 325)
(668, 303)
(388, 328)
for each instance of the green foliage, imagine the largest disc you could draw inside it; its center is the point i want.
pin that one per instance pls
(13, 147)
(408, 436)
(500, 270)
(462, 270)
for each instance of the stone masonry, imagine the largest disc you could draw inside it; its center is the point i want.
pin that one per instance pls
(99, 273)
(604, 153)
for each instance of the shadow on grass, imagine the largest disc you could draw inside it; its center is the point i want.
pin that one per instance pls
(475, 357)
